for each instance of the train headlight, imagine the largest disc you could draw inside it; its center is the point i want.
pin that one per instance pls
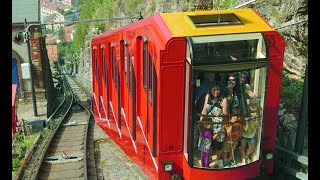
(167, 165)
(269, 156)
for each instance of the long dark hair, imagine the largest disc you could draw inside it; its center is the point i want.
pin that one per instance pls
(239, 91)
(236, 88)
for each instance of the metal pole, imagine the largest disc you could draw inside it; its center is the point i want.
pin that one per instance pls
(303, 116)
(30, 70)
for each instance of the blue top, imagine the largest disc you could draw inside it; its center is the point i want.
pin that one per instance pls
(201, 94)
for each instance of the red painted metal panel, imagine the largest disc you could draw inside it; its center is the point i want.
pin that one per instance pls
(276, 46)
(172, 97)
(244, 172)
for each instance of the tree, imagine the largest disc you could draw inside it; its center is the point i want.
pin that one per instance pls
(61, 34)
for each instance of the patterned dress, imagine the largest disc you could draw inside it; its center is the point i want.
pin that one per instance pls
(213, 107)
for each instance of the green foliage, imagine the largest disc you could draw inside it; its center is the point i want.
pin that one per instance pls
(65, 13)
(105, 10)
(21, 149)
(59, 10)
(275, 14)
(80, 33)
(152, 6)
(88, 9)
(291, 92)
(67, 51)
(131, 6)
(224, 4)
(61, 34)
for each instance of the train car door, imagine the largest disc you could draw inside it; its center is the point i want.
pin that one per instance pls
(100, 82)
(115, 76)
(126, 91)
(142, 108)
(119, 96)
(95, 85)
(104, 84)
(132, 99)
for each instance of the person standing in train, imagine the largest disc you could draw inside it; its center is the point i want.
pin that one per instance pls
(205, 144)
(216, 106)
(208, 80)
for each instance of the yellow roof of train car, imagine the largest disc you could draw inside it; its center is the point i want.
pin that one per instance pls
(181, 25)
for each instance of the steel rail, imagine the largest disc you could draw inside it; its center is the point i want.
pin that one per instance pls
(75, 101)
(52, 135)
(86, 134)
(26, 158)
(30, 151)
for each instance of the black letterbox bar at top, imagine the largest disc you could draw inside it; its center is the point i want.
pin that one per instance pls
(215, 20)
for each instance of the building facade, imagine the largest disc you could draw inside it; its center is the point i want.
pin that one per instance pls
(29, 10)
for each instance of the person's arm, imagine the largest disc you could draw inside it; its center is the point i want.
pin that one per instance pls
(248, 91)
(195, 101)
(204, 109)
(232, 120)
(225, 109)
(224, 105)
(230, 91)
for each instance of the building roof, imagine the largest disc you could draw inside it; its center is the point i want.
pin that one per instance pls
(29, 9)
(53, 5)
(52, 51)
(68, 35)
(14, 90)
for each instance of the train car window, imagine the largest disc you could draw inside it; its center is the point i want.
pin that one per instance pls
(106, 82)
(239, 62)
(111, 61)
(150, 78)
(114, 63)
(129, 75)
(144, 66)
(103, 65)
(245, 105)
(154, 112)
(98, 69)
(134, 98)
(186, 124)
(94, 65)
(214, 20)
(235, 48)
(126, 59)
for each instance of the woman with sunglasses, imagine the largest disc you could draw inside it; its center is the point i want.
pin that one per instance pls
(233, 129)
(233, 92)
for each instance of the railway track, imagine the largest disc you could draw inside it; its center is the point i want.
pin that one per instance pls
(66, 154)
(61, 152)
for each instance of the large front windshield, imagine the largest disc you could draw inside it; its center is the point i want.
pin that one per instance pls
(228, 92)
(228, 115)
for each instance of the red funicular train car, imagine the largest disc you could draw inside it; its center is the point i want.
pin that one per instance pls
(147, 81)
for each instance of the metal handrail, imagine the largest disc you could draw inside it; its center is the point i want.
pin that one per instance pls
(287, 166)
